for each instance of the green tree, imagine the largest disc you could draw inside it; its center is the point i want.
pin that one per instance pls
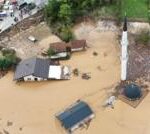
(66, 34)
(51, 11)
(65, 13)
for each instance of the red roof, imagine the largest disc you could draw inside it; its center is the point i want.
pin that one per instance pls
(59, 46)
(78, 44)
(62, 46)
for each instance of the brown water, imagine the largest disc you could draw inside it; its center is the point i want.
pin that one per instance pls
(32, 106)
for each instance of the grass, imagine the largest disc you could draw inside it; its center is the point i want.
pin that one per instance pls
(135, 9)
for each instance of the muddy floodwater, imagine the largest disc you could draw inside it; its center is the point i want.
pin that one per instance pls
(30, 108)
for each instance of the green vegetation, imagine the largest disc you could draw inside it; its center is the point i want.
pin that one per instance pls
(143, 38)
(62, 14)
(135, 9)
(66, 34)
(50, 52)
(8, 59)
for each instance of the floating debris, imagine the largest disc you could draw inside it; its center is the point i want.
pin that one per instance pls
(5, 131)
(20, 128)
(110, 101)
(76, 72)
(86, 76)
(95, 53)
(9, 123)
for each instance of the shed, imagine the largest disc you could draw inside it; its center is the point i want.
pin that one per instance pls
(78, 45)
(78, 114)
(59, 47)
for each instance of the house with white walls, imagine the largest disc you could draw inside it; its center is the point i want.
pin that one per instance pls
(36, 69)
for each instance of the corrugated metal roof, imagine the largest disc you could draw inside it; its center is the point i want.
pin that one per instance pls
(75, 114)
(33, 66)
(78, 44)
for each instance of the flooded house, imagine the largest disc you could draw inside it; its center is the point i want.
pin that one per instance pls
(77, 115)
(78, 45)
(63, 50)
(36, 69)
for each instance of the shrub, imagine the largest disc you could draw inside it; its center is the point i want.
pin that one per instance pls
(8, 60)
(66, 34)
(5, 63)
(50, 52)
(6, 51)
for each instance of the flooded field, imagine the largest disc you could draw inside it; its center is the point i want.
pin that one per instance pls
(30, 108)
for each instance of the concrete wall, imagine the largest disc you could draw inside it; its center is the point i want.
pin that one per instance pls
(82, 122)
(32, 78)
(77, 49)
(59, 55)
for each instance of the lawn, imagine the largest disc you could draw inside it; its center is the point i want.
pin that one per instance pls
(135, 9)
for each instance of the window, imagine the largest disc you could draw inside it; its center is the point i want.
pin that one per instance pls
(28, 78)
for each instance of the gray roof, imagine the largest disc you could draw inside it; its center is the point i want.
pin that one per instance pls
(33, 66)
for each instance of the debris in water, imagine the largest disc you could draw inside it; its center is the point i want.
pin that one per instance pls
(9, 123)
(5, 131)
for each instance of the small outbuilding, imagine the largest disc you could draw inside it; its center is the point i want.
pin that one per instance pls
(62, 49)
(75, 116)
(78, 45)
(132, 92)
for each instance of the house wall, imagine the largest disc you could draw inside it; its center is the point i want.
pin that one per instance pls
(59, 55)
(82, 122)
(77, 49)
(32, 78)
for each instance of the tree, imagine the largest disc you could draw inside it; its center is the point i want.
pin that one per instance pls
(65, 13)
(51, 11)
(8, 60)
(66, 34)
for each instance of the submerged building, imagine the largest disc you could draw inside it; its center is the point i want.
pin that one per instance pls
(36, 69)
(63, 50)
(75, 116)
(132, 92)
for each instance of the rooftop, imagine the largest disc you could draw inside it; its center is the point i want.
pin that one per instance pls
(75, 114)
(32, 66)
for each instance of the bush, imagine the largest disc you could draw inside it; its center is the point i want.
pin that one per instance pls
(9, 59)
(50, 52)
(66, 34)
(5, 63)
(6, 51)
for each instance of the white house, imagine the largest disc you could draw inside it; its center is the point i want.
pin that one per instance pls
(36, 69)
